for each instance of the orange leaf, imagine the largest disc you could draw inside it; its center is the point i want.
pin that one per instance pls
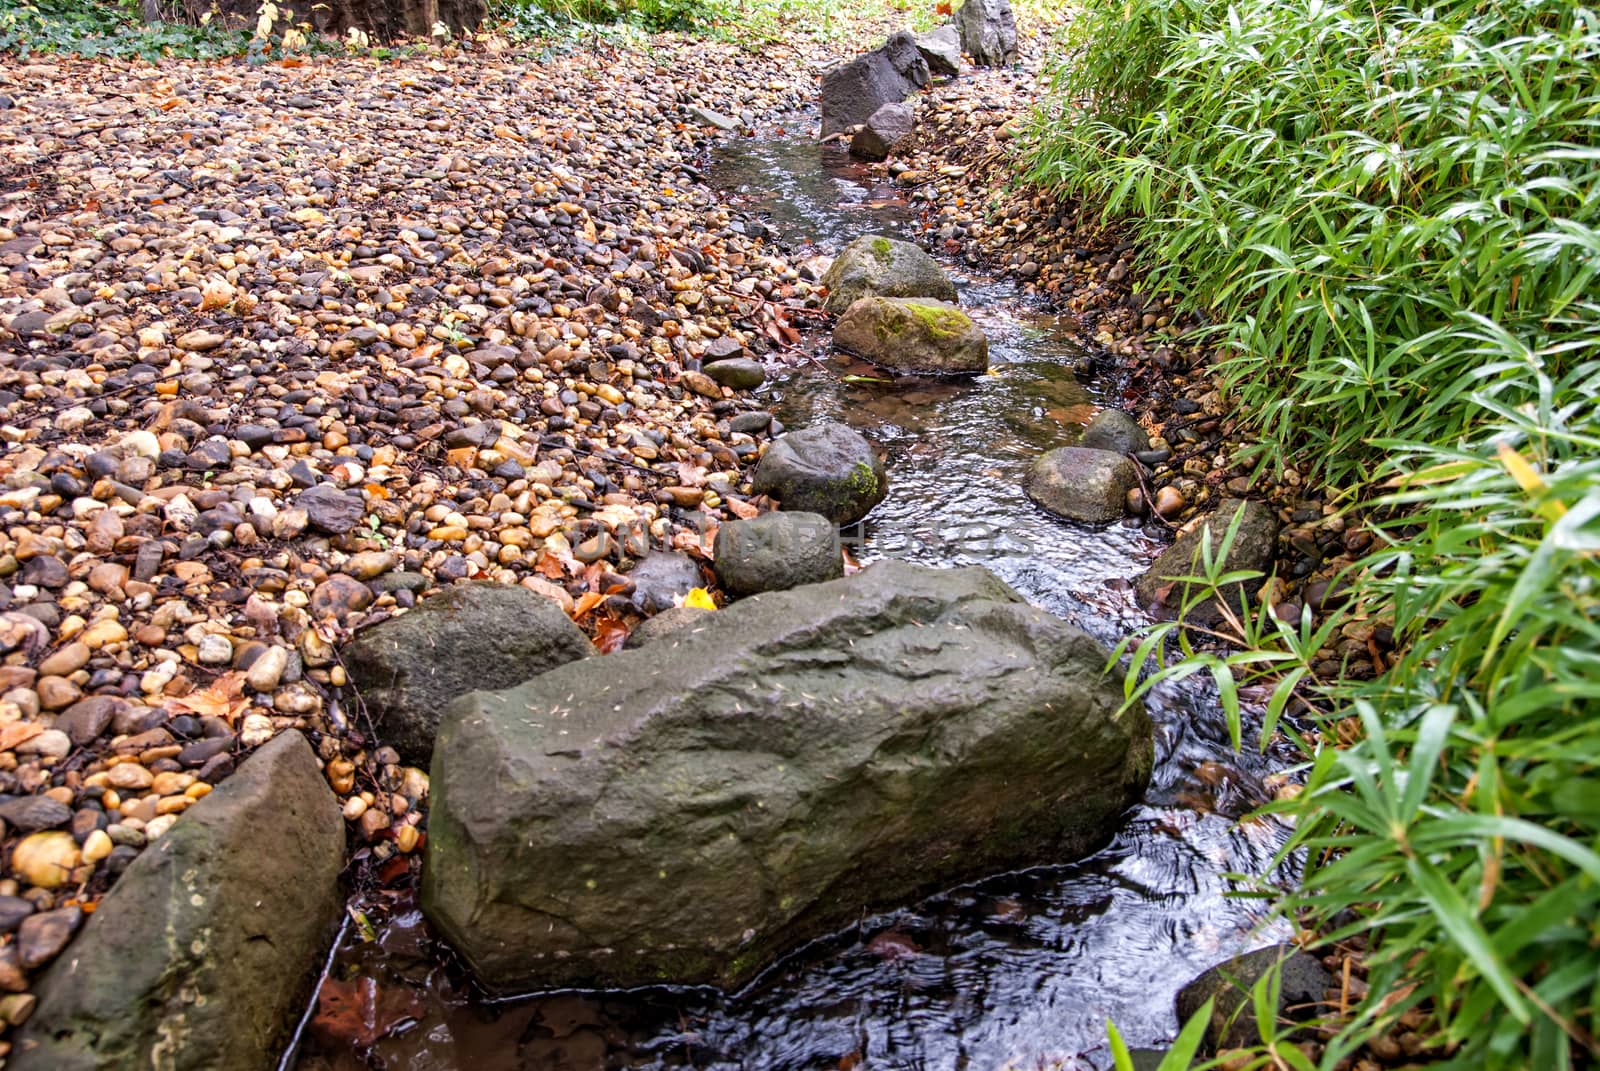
(743, 510)
(18, 732)
(588, 601)
(550, 566)
(850, 564)
(168, 105)
(609, 634)
(222, 698)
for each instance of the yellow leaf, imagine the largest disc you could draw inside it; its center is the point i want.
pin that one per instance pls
(700, 599)
(1530, 481)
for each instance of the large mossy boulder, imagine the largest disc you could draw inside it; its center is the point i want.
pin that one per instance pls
(478, 635)
(1162, 590)
(883, 267)
(913, 335)
(695, 809)
(852, 91)
(203, 955)
(1080, 484)
(828, 469)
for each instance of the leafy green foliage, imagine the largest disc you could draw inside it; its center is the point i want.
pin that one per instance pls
(93, 28)
(1392, 216)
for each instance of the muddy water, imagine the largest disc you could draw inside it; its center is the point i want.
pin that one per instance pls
(1021, 970)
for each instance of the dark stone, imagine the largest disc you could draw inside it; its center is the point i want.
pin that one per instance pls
(777, 551)
(42, 936)
(13, 909)
(913, 335)
(86, 719)
(1114, 430)
(480, 635)
(740, 373)
(941, 50)
(750, 423)
(1233, 1021)
(852, 91)
(662, 579)
(1254, 548)
(330, 509)
(722, 349)
(883, 267)
(33, 813)
(45, 571)
(1090, 486)
(828, 469)
(988, 31)
(687, 811)
(885, 130)
(202, 954)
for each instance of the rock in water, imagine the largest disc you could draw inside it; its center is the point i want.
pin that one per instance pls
(828, 469)
(202, 955)
(480, 635)
(1090, 486)
(1114, 430)
(886, 129)
(1233, 1021)
(941, 50)
(777, 551)
(688, 811)
(852, 91)
(988, 32)
(1253, 548)
(884, 267)
(913, 335)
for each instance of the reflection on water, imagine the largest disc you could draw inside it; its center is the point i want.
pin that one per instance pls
(1021, 970)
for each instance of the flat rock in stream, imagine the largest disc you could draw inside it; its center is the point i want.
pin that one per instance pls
(876, 266)
(913, 335)
(1089, 486)
(202, 955)
(691, 810)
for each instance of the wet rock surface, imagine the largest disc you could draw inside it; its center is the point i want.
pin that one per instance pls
(828, 469)
(913, 335)
(1253, 548)
(654, 829)
(777, 551)
(1303, 989)
(471, 636)
(204, 952)
(1079, 484)
(886, 129)
(876, 266)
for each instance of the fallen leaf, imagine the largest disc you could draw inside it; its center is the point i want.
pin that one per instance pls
(588, 601)
(700, 599)
(743, 510)
(222, 698)
(18, 732)
(610, 633)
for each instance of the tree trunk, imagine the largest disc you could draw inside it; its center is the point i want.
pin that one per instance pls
(382, 20)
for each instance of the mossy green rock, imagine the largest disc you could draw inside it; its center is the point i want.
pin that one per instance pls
(913, 335)
(828, 469)
(687, 812)
(884, 267)
(203, 955)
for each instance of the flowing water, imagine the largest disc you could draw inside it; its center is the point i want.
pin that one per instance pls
(1021, 970)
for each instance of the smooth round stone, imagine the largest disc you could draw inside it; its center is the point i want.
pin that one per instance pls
(50, 744)
(739, 373)
(46, 859)
(215, 650)
(129, 776)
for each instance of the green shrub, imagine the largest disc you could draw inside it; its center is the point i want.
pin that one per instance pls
(1391, 215)
(93, 28)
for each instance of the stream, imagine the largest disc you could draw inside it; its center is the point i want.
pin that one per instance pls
(1020, 970)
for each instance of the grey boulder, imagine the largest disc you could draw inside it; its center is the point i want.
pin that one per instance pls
(827, 468)
(777, 551)
(204, 953)
(1114, 430)
(852, 91)
(913, 335)
(885, 130)
(679, 619)
(988, 32)
(1233, 1024)
(740, 373)
(875, 266)
(1090, 486)
(687, 812)
(479, 635)
(941, 50)
(1254, 547)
